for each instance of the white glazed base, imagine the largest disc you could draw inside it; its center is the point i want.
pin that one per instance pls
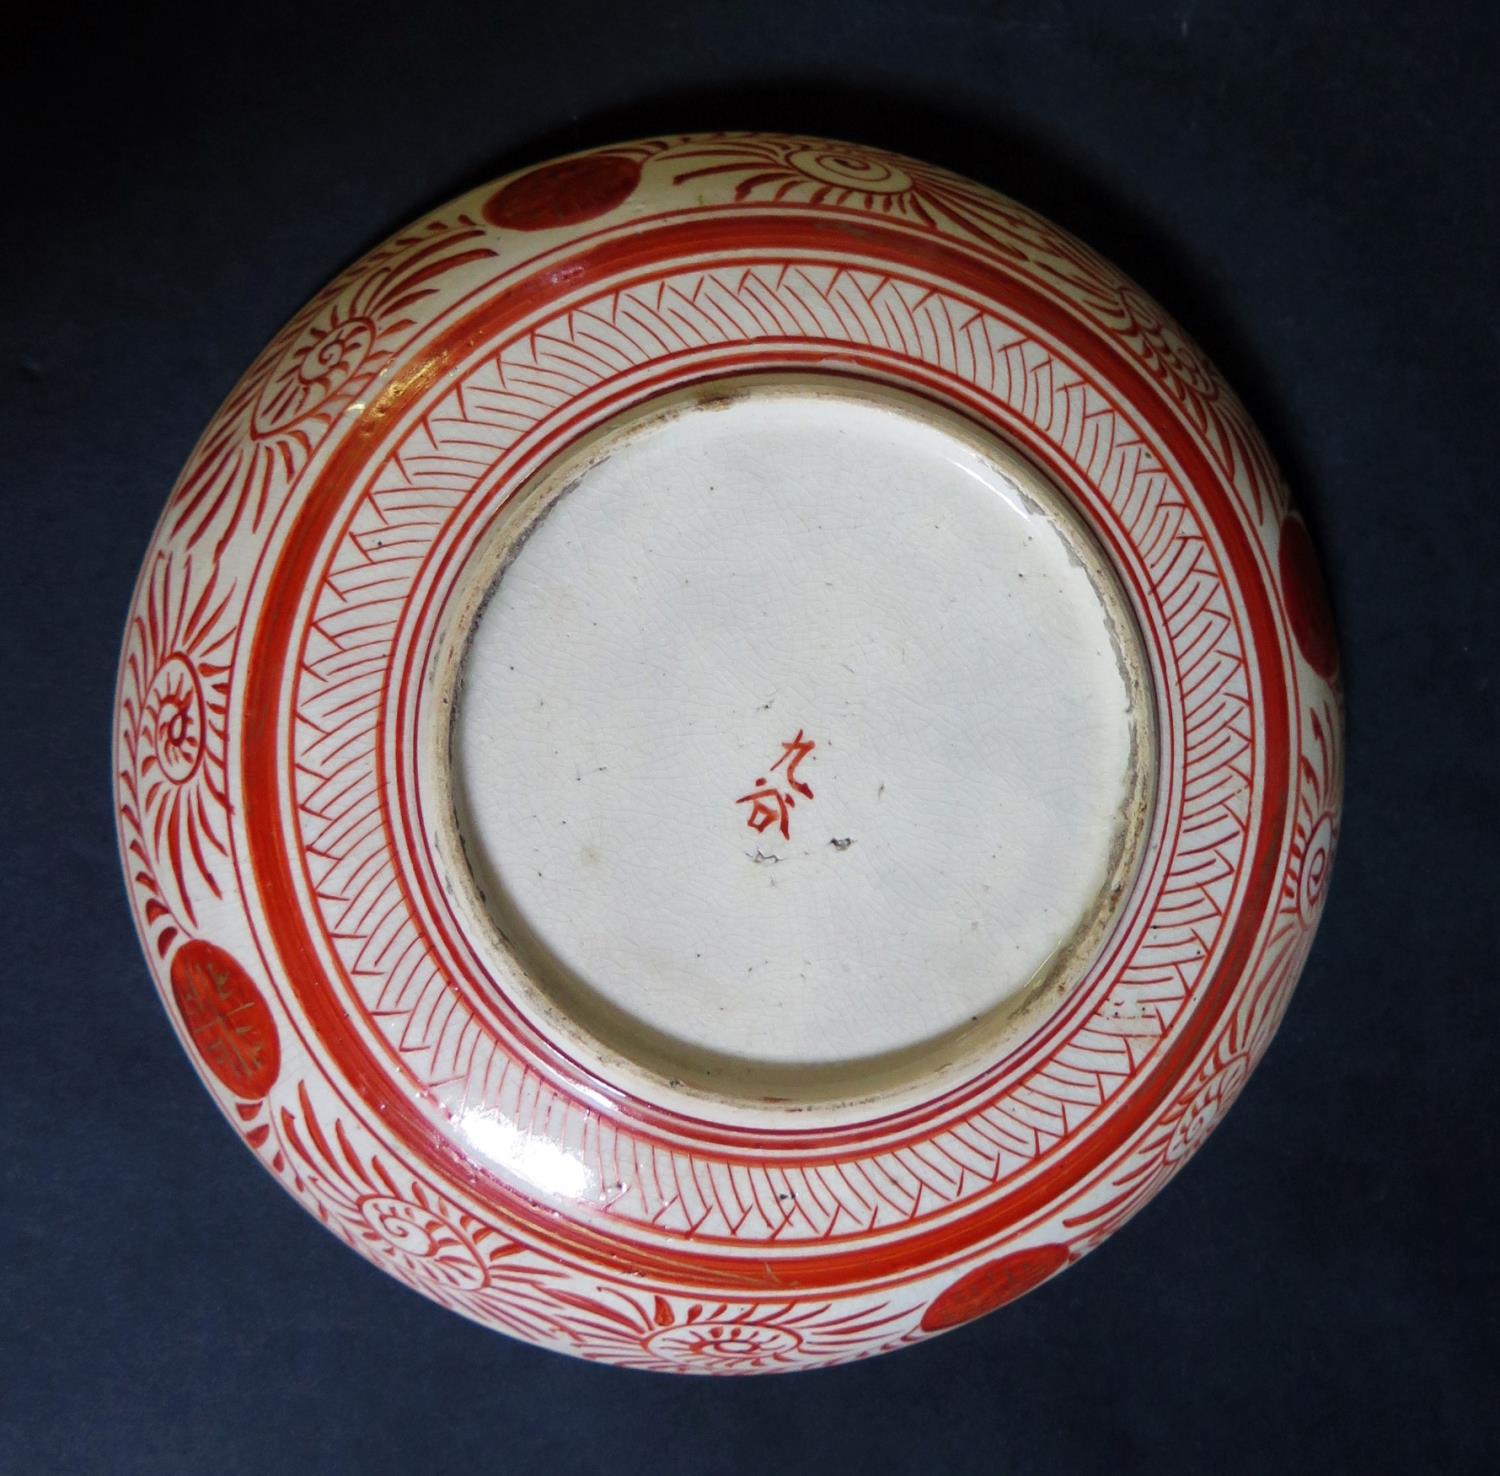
(799, 746)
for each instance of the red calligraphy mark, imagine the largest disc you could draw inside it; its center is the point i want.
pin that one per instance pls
(799, 747)
(770, 805)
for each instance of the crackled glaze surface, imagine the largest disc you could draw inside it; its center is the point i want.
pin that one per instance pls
(418, 606)
(758, 747)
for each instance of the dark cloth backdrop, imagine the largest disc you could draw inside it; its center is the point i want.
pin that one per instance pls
(1310, 188)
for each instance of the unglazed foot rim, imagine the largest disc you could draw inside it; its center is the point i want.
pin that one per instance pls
(727, 753)
(995, 803)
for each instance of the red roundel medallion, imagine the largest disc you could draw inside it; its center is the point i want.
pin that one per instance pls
(225, 1019)
(563, 194)
(991, 1286)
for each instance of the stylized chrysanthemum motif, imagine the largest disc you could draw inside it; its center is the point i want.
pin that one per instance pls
(796, 171)
(314, 369)
(816, 174)
(722, 1337)
(397, 1221)
(174, 697)
(1206, 1107)
(414, 1233)
(1177, 360)
(1183, 370)
(175, 719)
(1177, 1131)
(313, 372)
(721, 1342)
(1316, 830)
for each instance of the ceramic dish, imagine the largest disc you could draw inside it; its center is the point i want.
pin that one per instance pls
(727, 753)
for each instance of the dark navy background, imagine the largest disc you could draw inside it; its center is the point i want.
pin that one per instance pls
(1310, 188)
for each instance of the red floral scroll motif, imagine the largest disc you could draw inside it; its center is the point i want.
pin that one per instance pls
(837, 176)
(1306, 599)
(174, 697)
(227, 1020)
(402, 1224)
(670, 1334)
(1316, 831)
(1207, 1108)
(564, 193)
(993, 1285)
(311, 375)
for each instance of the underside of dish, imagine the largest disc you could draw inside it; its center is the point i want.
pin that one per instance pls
(728, 752)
